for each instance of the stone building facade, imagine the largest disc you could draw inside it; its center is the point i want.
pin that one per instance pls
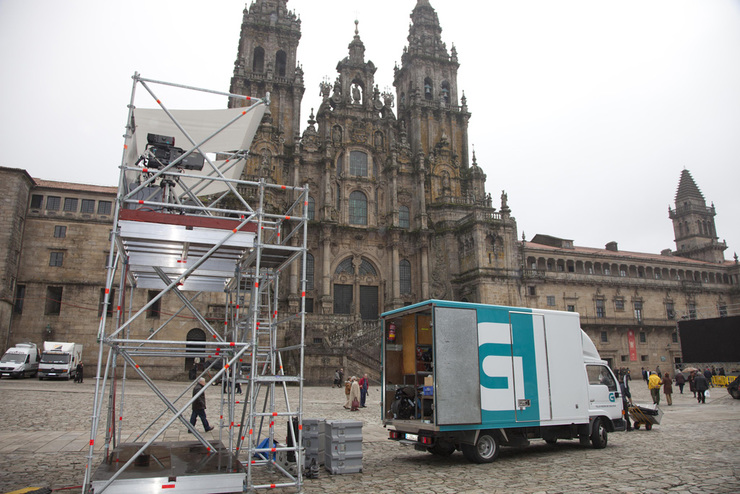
(398, 212)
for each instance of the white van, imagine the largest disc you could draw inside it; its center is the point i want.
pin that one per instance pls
(21, 360)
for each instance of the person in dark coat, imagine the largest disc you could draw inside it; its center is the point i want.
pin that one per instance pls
(708, 376)
(668, 388)
(692, 383)
(701, 386)
(199, 407)
(78, 373)
(626, 402)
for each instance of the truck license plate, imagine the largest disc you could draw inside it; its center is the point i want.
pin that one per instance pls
(412, 437)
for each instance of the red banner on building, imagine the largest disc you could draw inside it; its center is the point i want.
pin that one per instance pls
(633, 346)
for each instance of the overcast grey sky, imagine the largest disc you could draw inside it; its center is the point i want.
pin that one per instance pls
(584, 111)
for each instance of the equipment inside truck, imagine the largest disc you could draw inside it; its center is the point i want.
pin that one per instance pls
(409, 357)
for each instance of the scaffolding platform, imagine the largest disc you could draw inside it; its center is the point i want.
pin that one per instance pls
(183, 466)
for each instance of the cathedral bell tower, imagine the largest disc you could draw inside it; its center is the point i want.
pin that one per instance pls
(432, 110)
(266, 62)
(693, 224)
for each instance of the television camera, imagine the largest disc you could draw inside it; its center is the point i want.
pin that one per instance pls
(162, 151)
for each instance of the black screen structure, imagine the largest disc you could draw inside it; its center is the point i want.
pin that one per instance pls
(710, 340)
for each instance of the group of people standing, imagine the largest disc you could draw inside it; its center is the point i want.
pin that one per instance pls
(699, 383)
(355, 390)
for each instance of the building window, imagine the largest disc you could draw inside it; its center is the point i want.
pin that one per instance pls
(70, 204)
(674, 337)
(357, 208)
(604, 337)
(154, 310)
(404, 273)
(258, 60)
(104, 207)
(551, 300)
(622, 273)
(638, 310)
(722, 310)
(600, 309)
(366, 268)
(53, 203)
(624, 358)
(571, 308)
(643, 358)
(20, 296)
(427, 88)
(670, 312)
(643, 337)
(309, 305)
(36, 201)
(53, 305)
(56, 259)
(692, 311)
(403, 217)
(111, 302)
(619, 304)
(532, 290)
(88, 206)
(346, 267)
(358, 163)
(607, 271)
(60, 231)
(311, 209)
(309, 271)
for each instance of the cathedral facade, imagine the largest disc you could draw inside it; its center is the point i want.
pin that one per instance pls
(398, 213)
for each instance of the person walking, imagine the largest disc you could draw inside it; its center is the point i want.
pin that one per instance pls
(701, 387)
(654, 383)
(363, 390)
(692, 382)
(626, 402)
(708, 376)
(680, 381)
(199, 407)
(668, 389)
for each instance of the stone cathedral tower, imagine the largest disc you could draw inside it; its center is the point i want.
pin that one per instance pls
(267, 63)
(693, 224)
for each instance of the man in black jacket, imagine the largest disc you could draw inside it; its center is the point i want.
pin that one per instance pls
(199, 406)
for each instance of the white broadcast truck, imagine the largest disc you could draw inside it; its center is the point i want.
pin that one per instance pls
(21, 360)
(59, 360)
(477, 377)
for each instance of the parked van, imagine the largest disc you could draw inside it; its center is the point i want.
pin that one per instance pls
(21, 360)
(473, 377)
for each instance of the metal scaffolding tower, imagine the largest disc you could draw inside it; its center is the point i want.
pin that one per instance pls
(182, 227)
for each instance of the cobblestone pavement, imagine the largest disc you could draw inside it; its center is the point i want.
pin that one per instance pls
(44, 433)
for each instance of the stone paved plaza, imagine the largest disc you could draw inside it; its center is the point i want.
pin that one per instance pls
(44, 433)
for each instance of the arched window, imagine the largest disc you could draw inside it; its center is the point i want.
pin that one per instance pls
(357, 208)
(366, 268)
(358, 163)
(427, 88)
(258, 60)
(404, 273)
(309, 271)
(281, 61)
(403, 217)
(311, 208)
(446, 92)
(345, 267)
(194, 335)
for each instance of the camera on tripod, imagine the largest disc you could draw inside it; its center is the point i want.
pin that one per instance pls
(162, 152)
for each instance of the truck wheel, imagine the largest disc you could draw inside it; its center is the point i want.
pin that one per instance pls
(599, 435)
(442, 448)
(485, 450)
